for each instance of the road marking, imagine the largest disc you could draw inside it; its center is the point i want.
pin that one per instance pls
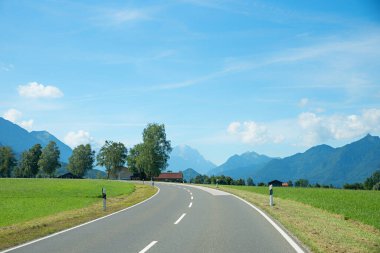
(192, 197)
(191, 193)
(179, 219)
(150, 245)
(191, 203)
(295, 246)
(213, 192)
(81, 225)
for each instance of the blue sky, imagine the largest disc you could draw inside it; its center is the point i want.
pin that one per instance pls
(225, 77)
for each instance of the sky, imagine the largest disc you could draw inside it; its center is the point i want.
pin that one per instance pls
(224, 77)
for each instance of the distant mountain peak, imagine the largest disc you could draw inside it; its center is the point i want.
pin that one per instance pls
(184, 156)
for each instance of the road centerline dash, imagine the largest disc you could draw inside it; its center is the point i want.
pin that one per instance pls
(150, 245)
(191, 203)
(179, 219)
(192, 197)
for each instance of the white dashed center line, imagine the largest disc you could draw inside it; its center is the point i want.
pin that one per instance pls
(179, 219)
(191, 203)
(150, 245)
(192, 197)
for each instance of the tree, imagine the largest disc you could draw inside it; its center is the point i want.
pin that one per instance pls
(28, 166)
(290, 183)
(81, 160)
(49, 160)
(355, 186)
(135, 161)
(370, 182)
(113, 156)
(7, 161)
(154, 152)
(302, 183)
(250, 182)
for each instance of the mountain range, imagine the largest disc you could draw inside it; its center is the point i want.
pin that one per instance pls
(241, 166)
(21, 140)
(351, 163)
(326, 165)
(184, 157)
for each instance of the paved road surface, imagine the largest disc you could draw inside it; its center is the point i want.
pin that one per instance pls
(179, 218)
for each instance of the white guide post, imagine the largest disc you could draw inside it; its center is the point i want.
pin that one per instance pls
(270, 195)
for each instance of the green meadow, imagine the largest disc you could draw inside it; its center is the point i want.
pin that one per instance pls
(358, 205)
(27, 199)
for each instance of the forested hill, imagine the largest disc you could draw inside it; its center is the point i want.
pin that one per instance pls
(20, 140)
(326, 165)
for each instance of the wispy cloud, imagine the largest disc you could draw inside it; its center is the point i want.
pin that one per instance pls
(363, 50)
(6, 67)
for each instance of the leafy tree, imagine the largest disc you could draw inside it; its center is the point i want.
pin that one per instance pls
(240, 182)
(229, 180)
(261, 184)
(28, 166)
(250, 182)
(81, 160)
(355, 186)
(7, 161)
(49, 160)
(370, 182)
(290, 183)
(302, 183)
(135, 160)
(113, 156)
(155, 150)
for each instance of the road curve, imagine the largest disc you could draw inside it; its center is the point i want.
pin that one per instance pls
(179, 218)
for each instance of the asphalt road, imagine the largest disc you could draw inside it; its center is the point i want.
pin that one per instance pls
(179, 218)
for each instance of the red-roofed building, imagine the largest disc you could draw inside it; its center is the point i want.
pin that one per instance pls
(170, 177)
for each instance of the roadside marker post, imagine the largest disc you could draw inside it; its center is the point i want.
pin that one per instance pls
(270, 195)
(104, 196)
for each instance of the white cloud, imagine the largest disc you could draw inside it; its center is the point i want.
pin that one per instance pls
(74, 139)
(249, 132)
(27, 124)
(12, 115)
(36, 90)
(317, 129)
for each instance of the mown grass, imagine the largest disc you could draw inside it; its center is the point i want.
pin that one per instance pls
(363, 206)
(26, 199)
(319, 229)
(37, 207)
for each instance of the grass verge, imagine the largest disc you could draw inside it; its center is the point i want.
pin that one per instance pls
(18, 233)
(318, 229)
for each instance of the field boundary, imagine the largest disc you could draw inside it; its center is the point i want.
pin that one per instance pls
(80, 225)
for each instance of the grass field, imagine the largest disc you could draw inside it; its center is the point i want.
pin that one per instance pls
(32, 208)
(26, 199)
(363, 206)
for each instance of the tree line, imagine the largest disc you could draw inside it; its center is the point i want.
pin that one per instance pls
(371, 183)
(146, 159)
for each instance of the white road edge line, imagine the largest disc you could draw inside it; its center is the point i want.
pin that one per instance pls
(78, 226)
(280, 230)
(179, 219)
(191, 203)
(150, 245)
